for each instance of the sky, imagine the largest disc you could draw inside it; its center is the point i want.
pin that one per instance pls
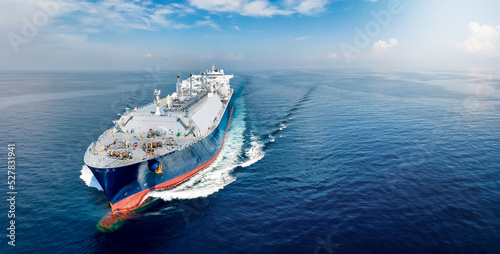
(248, 34)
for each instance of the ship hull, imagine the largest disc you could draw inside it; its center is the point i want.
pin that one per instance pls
(125, 187)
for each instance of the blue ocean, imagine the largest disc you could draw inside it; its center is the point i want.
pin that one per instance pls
(315, 161)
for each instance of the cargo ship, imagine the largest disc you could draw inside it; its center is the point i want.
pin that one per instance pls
(160, 145)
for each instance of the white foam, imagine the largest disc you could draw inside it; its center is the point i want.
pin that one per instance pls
(282, 126)
(254, 153)
(271, 137)
(89, 179)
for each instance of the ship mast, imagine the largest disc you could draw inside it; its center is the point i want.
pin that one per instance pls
(190, 83)
(178, 84)
(202, 79)
(157, 102)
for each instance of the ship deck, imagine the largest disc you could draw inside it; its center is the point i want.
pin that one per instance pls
(175, 128)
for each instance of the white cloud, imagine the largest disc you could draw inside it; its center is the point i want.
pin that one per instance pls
(381, 46)
(311, 7)
(482, 39)
(233, 57)
(207, 22)
(148, 55)
(158, 16)
(333, 55)
(113, 14)
(218, 5)
(72, 16)
(237, 28)
(301, 38)
(261, 8)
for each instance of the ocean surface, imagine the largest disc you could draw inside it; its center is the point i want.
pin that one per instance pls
(316, 161)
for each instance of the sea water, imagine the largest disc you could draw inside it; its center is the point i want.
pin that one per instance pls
(315, 161)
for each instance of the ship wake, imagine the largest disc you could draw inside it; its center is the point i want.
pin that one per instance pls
(220, 172)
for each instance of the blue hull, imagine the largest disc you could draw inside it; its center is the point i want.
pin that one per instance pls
(130, 183)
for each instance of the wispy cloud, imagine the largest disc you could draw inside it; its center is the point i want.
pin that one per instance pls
(333, 55)
(100, 16)
(233, 57)
(120, 15)
(301, 38)
(311, 7)
(261, 8)
(207, 22)
(483, 39)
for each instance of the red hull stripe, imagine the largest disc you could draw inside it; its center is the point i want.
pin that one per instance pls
(133, 202)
